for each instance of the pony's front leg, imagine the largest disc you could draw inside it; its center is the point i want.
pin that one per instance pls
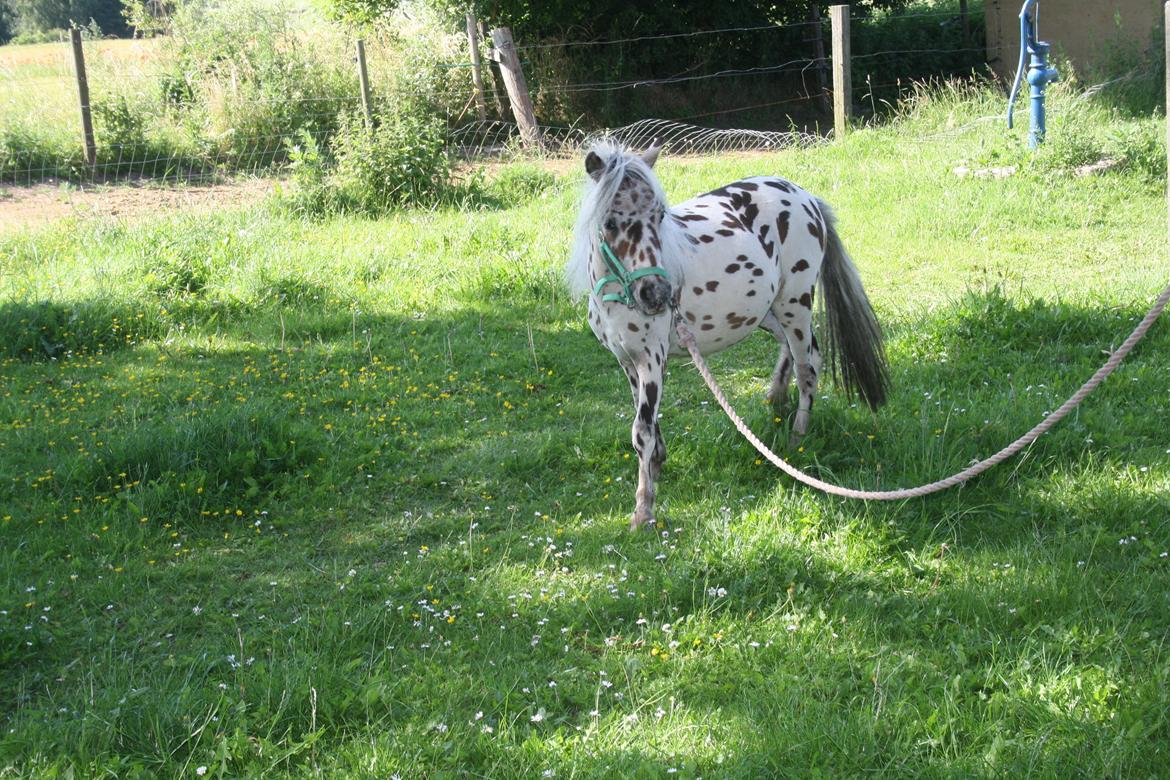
(647, 440)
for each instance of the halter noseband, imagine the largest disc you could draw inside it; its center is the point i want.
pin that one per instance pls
(620, 276)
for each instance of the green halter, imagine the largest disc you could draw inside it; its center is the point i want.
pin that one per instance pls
(620, 276)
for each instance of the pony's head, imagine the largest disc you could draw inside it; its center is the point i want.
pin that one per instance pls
(622, 221)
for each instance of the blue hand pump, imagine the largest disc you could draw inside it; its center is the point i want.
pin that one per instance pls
(1038, 73)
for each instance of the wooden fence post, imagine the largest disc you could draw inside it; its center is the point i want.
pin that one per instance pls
(364, 81)
(842, 85)
(83, 98)
(476, 65)
(505, 50)
(495, 69)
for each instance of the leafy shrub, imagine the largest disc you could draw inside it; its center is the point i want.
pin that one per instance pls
(175, 90)
(249, 79)
(312, 191)
(400, 161)
(118, 121)
(38, 36)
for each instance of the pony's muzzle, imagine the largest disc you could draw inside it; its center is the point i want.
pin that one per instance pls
(652, 294)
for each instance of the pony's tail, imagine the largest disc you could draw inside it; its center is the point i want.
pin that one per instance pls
(854, 337)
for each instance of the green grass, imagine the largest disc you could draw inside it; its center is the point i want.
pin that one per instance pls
(349, 498)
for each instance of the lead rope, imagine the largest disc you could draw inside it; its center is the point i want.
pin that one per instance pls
(688, 340)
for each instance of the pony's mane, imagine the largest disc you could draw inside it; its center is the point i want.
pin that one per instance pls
(595, 203)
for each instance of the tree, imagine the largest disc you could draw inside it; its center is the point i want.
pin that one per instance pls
(6, 23)
(539, 19)
(45, 15)
(148, 17)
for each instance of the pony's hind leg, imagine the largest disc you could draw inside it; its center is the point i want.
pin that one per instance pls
(795, 318)
(782, 375)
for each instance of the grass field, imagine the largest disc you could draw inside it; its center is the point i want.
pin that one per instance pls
(349, 498)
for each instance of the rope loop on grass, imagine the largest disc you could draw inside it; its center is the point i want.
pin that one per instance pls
(688, 340)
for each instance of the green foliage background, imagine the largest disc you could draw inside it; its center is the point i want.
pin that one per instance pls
(43, 16)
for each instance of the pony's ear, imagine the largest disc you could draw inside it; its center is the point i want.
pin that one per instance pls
(594, 165)
(650, 156)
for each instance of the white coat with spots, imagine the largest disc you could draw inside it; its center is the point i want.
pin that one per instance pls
(746, 256)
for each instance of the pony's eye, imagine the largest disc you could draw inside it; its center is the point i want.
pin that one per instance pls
(611, 225)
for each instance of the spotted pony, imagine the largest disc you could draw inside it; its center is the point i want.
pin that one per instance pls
(746, 256)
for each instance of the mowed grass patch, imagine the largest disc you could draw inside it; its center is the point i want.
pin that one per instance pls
(355, 504)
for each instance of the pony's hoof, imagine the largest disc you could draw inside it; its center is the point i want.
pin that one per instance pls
(637, 521)
(794, 441)
(800, 424)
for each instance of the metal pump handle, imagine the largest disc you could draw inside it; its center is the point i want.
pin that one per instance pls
(1027, 36)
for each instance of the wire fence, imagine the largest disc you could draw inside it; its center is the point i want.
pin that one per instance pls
(143, 122)
(144, 127)
(494, 138)
(882, 77)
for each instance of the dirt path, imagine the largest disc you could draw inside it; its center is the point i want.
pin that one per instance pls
(24, 207)
(27, 207)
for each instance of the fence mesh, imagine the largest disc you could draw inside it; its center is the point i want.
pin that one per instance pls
(493, 138)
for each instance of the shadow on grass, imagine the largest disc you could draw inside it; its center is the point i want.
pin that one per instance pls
(547, 400)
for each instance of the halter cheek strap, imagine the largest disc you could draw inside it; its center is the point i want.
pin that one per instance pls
(619, 275)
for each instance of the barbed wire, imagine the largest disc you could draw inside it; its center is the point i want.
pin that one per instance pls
(903, 52)
(885, 19)
(611, 86)
(757, 28)
(667, 36)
